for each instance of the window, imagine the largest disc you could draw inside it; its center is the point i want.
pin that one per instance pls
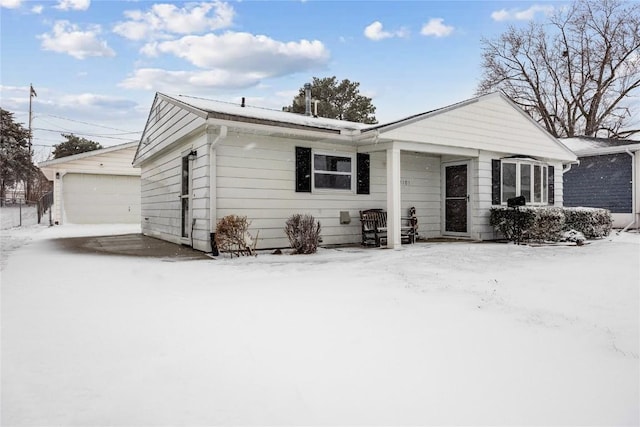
(332, 172)
(524, 177)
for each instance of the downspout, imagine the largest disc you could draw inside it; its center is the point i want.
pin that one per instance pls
(633, 192)
(60, 211)
(213, 142)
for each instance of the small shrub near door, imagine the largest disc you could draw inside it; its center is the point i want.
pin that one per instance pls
(232, 235)
(303, 232)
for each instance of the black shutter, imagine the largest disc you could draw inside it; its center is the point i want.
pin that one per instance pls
(495, 182)
(363, 168)
(303, 170)
(551, 185)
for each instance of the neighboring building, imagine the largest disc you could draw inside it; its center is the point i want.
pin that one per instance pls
(607, 177)
(202, 160)
(96, 187)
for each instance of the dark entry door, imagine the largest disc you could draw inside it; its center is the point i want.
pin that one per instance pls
(456, 199)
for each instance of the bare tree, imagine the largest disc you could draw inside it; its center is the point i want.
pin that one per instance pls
(577, 74)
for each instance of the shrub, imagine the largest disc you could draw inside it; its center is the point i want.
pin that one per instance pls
(549, 223)
(546, 225)
(592, 222)
(303, 232)
(511, 223)
(232, 235)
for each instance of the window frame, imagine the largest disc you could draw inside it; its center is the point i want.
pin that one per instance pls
(542, 180)
(352, 173)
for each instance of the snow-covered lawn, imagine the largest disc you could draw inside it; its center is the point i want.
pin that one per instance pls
(436, 333)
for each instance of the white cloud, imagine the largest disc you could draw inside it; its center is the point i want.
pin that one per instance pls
(70, 39)
(10, 4)
(245, 53)
(185, 81)
(92, 100)
(500, 15)
(375, 31)
(73, 4)
(521, 15)
(163, 19)
(436, 27)
(37, 9)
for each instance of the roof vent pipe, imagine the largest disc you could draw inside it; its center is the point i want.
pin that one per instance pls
(307, 99)
(242, 105)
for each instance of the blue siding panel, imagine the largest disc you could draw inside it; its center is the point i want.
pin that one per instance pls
(600, 182)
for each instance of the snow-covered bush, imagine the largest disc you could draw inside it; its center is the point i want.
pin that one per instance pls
(511, 223)
(546, 226)
(547, 223)
(594, 223)
(232, 235)
(303, 232)
(573, 236)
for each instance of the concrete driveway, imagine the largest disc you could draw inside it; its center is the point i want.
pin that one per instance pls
(135, 245)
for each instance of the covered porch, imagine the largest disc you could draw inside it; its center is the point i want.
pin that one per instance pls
(439, 181)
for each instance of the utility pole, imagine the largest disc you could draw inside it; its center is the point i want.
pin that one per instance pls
(32, 93)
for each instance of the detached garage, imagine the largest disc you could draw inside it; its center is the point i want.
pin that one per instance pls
(97, 187)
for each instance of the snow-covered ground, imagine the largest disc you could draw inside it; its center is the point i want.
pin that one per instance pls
(435, 333)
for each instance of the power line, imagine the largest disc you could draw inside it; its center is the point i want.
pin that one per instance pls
(90, 124)
(86, 134)
(74, 132)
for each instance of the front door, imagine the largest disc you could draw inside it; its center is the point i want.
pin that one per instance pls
(185, 199)
(456, 199)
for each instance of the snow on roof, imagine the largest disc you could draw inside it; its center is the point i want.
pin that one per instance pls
(592, 145)
(259, 113)
(88, 154)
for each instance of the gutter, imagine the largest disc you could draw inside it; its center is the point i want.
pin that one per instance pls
(568, 166)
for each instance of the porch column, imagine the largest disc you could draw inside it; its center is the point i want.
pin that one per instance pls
(393, 198)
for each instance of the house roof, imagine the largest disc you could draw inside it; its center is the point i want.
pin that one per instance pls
(231, 111)
(590, 146)
(447, 126)
(87, 154)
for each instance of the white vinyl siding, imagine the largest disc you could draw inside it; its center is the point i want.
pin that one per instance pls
(256, 179)
(490, 124)
(161, 193)
(176, 123)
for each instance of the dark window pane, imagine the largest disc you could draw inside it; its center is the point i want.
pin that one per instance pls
(537, 182)
(185, 175)
(338, 182)
(525, 182)
(508, 181)
(456, 215)
(185, 217)
(456, 181)
(332, 163)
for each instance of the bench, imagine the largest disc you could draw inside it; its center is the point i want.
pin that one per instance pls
(374, 227)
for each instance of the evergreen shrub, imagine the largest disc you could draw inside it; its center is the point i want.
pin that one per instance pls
(549, 223)
(594, 223)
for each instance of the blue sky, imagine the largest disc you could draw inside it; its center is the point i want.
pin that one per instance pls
(96, 64)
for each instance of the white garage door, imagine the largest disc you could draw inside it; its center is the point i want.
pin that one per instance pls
(101, 199)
